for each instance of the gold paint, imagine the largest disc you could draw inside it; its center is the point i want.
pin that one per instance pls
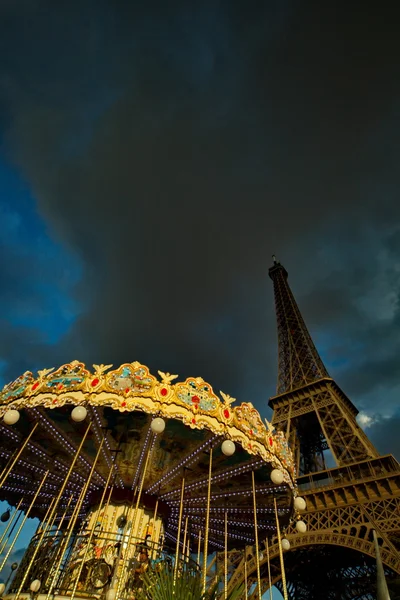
(243, 426)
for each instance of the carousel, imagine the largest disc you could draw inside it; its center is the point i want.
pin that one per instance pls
(131, 475)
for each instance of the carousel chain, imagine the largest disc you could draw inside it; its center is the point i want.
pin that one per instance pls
(23, 521)
(8, 470)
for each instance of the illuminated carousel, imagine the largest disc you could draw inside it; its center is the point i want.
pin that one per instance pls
(130, 474)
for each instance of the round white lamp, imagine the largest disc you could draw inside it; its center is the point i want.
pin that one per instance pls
(285, 544)
(157, 426)
(277, 476)
(301, 527)
(35, 585)
(78, 414)
(11, 416)
(228, 447)
(299, 503)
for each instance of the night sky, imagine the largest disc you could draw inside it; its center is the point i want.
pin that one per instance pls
(153, 156)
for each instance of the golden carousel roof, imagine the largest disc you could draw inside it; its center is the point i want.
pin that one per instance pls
(120, 405)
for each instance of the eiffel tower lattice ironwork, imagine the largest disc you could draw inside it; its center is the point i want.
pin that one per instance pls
(335, 558)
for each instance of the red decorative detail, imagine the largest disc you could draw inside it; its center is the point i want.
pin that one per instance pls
(127, 390)
(60, 386)
(270, 441)
(226, 413)
(55, 401)
(95, 382)
(35, 385)
(195, 400)
(251, 432)
(123, 403)
(163, 391)
(194, 421)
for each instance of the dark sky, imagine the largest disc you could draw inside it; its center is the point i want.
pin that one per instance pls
(153, 155)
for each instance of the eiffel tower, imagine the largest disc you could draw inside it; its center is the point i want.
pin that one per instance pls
(335, 558)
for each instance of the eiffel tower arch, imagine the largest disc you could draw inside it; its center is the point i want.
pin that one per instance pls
(345, 502)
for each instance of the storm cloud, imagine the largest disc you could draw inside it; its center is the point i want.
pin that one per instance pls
(171, 148)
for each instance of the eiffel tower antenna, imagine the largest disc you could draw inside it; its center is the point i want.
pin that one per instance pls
(299, 361)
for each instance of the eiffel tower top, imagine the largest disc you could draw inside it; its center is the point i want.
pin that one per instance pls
(299, 361)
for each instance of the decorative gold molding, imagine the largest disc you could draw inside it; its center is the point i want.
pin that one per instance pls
(132, 387)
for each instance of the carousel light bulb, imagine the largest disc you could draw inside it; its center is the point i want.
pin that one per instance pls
(301, 527)
(157, 426)
(285, 544)
(228, 447)
(35, 585)
(277, 476)
(78, 414)
(11, 416)
(299, 503)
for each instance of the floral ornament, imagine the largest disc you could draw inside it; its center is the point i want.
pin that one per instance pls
(17, 387)
(68, 376)
(249, 419)
(198, 394)
(131, 378)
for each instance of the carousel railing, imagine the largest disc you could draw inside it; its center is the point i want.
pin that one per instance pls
(89, 566)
